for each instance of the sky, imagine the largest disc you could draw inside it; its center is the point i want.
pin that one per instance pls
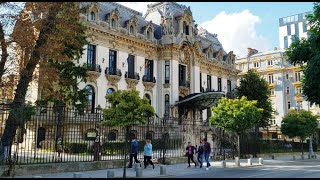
(240, 25)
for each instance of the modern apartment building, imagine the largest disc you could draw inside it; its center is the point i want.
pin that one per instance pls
(291, 27)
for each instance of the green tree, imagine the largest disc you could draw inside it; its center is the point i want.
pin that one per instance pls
(58, 36)
(254, 87)
(236, 115)
(126, 109)
(306, 53)
(300, 124)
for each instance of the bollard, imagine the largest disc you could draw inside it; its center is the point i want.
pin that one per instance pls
(136, 166)
(36, 176)
(260, 160)
(294, 157)
(223, 164)
(139, 172)
(110, 174)
(249, 162)
(302, 157)
(237, 160)
(77, 175)
(163, 170)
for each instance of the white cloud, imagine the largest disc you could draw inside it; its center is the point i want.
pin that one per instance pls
(237, 31)
(138, 6)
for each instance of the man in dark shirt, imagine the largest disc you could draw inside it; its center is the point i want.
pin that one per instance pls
(134, 152)
(207, 151)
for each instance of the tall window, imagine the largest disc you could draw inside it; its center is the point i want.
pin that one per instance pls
(92, 16)
(166, 105)
(296, 29)
(289, 105)
(91, 55)
(288, 90)
(113, 23)
(148, 97)
(219, 85)
(272, 92)
(288, 29)
(130, 66)
(209, 83)
(182, 74)
(149, 33)
(185, 28)
(167, 72)
(270, 78)
(131, 29)
(297, 76)
(229, 85)
(270, 62)
(209, 113)
(286, 42)
(256, 64)
(112, 61)
(90, 99)
(287, 76)
(148, 71)
(304, 27)
(298, 90)
(200, 82)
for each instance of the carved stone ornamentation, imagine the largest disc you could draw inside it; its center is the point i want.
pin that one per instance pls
(93, 76)
(113, 80)
(184, 90)
(149, 86)
(132, 83)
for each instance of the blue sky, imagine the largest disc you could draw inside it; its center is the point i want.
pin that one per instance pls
(240, 25)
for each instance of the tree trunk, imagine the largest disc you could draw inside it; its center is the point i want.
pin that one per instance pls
(4, 51)
(238, 145)
(256, 142)
(301, 141)
(25, 79)
(127, 150)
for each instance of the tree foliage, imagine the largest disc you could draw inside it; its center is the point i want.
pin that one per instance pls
(254, 87)
(235, 115)
(305, 52)
(126, 109)
(300, 124)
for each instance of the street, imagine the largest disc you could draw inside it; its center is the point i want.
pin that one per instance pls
(271, 169)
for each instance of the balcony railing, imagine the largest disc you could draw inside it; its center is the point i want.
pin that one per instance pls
(94, 67)
(113, 71)
(132, 75)
(146, 78)
(184, 83)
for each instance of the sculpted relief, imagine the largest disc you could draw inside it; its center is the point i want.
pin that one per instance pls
(166, 22)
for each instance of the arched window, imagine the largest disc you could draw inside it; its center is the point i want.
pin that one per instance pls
(149, 33)
(90, 98)
(92, 16)
(131, 29)
(166, 105)
(112, 136)
(113, 23)
(148, 97)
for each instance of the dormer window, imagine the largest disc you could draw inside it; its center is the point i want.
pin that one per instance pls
(92, 16)
(113, 23)
(149, 34)
(185, 28)
(131, 30)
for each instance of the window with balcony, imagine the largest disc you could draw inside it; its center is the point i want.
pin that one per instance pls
(209, 87)
(182, 75)
(167, 72)
(287, 90)
(91, 55)
(270, 78)
(297, 76)
(148, 71)
(112, 62)
(90, 99)
(219, 85)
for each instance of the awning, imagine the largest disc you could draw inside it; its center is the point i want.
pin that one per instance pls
(200, 101)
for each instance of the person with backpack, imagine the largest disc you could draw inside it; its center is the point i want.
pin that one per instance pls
(200, 153)
(207, 151)
(134, 152)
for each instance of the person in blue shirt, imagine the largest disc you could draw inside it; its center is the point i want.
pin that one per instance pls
(134, 152)
(200, 153)
(147, 153)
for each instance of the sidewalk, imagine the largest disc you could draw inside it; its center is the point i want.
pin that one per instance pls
(172, 170)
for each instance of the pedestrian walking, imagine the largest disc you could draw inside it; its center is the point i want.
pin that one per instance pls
(134, 151)
(200, 152)
(190, 152)
(207, 151)
(147, 153)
